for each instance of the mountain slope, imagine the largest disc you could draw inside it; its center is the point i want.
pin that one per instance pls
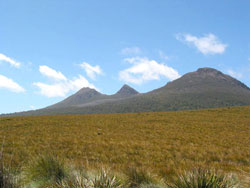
(84, 95)
(90, 97)
(204, 88)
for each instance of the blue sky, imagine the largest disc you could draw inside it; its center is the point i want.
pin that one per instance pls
(51, 48)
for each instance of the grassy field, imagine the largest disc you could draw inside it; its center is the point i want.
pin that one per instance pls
(163, 143)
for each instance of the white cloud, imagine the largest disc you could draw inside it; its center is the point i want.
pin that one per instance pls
(209, 44)
(51, 73)
(9, 84)
(80, 82)
(52, 90)
(62, 86)
(143, 69)
(91, 71)
(235, 74)
(131, 51)
(9, 60)
(249, 59)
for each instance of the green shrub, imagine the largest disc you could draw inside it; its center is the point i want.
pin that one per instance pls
(201, 178)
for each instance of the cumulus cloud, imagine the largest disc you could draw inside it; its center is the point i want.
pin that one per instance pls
(80, 82)
(208, 44)
(91, 71)
(9, 84)
(52, 90)
(9, 60)
(131, 51)
(62, 86)
(51, 73)
(143, 70)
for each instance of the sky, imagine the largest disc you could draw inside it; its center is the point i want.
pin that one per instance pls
(49, 49)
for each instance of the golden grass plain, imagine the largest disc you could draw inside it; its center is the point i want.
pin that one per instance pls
(164, 143)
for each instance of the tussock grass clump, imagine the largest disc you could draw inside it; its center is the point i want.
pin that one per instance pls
(50, 172)
(138, 177)
(106, 180)
(200, 178)
(84, 180)
(45, 170)
(152, 186)
(6, 178)
(76, 179)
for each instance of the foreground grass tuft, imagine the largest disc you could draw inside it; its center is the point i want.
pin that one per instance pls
(50, 172)
(76, 180)
(85, 180)
(6, 179)
(201, 178)
(104, 180)
(46, 170)
(137, 177)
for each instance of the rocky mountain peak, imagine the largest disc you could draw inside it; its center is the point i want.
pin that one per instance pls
(87, 90)
(209, 72)
(126, 90)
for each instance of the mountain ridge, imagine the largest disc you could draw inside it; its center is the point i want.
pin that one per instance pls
(87, 95)
(203, 88)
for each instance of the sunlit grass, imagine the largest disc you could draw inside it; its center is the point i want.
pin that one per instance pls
(165, 144)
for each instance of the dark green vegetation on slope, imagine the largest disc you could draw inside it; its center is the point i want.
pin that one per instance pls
(205, 88)
(164, 143)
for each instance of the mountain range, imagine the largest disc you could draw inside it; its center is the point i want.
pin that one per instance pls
(204, 88)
